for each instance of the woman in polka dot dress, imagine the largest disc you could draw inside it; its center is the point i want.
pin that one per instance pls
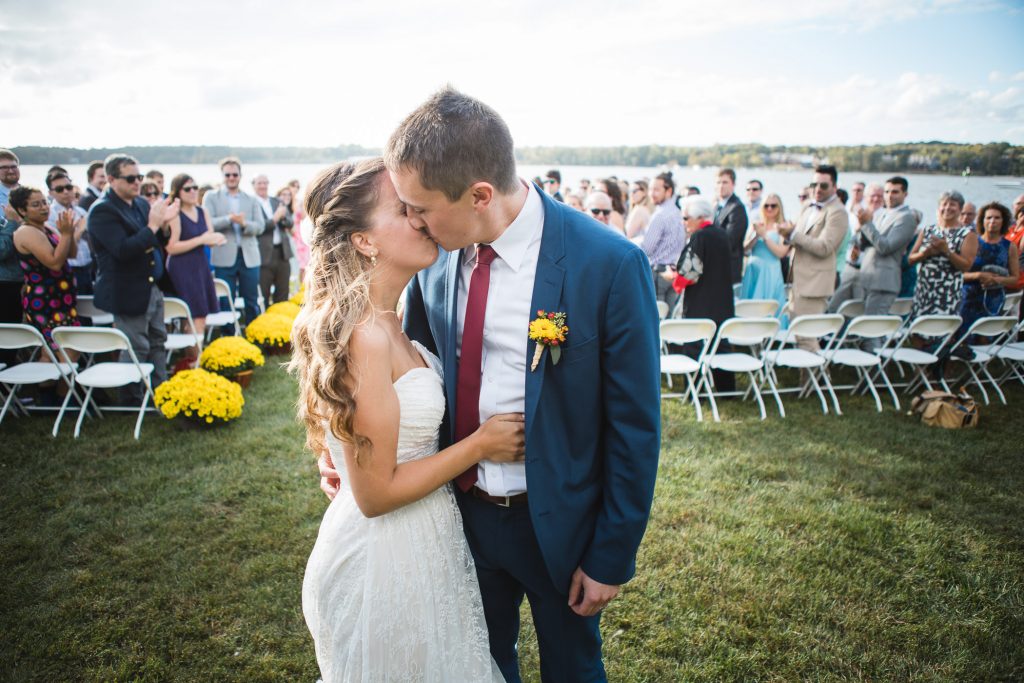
(48, 296)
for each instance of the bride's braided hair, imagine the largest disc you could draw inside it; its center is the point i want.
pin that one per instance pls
(339, 202)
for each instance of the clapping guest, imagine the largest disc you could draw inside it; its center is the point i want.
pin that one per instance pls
(48, 296)
(186, 259)
(275, 247)
(762, 278)
(995, 267)
(944, 251)
(62, 199)
(610, 187)
(150, 191)
(640, 209)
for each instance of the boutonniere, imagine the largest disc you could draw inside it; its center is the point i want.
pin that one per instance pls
(548, 330)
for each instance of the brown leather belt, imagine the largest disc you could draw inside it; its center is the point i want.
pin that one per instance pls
(502, 501)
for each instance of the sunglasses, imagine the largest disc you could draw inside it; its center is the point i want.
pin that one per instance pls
(550, 181)
(151, 194)
(803, 196)
(190, 188)
(753, 189)
(601, 212)
(771, 206)
(230, 175)
(822, 186)
(63, 188)
(131, 178)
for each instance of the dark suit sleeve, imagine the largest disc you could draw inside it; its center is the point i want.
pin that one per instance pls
(631, 425)
(737, 227)
(106, 228)
(414, 318)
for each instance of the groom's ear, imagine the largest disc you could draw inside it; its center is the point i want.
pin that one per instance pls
(482, 194)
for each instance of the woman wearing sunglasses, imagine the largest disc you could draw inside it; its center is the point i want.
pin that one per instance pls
(640, 209)
(186, 261)
(762, 278)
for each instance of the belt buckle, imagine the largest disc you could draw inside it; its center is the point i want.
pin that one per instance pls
(506, 504)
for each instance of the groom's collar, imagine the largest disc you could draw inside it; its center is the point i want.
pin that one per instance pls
(513, 243)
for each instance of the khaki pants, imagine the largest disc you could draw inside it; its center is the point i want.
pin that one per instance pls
(805, 305)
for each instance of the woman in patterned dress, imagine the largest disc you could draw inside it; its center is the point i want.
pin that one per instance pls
(945, 251)
(48, 296)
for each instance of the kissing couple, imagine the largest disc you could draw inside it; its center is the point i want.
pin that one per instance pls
(499, 440)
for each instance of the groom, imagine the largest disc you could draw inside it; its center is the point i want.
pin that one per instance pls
(563, 527)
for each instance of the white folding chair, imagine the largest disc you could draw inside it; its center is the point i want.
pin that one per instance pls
(752, 331)
(841, 352)
(86, 306)
(902, 306)
(1011, 302)
(18, 336)
(103, 375)
(998, 329)
(755, 308)
(176, 311)
(810, 326)
(662, 310)
(940, 328)
(222, 318)
(851, 308)
(686, 331)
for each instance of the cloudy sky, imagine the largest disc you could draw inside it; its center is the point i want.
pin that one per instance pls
(622, 72)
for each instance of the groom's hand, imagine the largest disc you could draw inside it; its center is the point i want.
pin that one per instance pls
(588, 597)
(329, 479)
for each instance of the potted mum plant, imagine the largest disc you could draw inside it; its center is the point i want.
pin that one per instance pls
(233, 358)
(199, 397)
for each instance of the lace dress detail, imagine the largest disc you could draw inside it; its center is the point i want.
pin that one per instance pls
(395, 598)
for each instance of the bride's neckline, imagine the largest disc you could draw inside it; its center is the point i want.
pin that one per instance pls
(423, 354)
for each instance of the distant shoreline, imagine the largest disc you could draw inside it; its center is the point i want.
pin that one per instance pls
(932, 158)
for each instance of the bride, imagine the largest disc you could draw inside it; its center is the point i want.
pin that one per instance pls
(390, 591)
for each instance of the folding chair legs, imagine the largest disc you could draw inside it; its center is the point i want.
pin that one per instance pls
(81, 413)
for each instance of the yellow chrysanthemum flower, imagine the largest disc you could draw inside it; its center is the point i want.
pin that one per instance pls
(228, 356)
(200, 395)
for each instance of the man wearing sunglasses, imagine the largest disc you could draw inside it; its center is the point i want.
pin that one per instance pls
(62, 198)
(240, 219)
(128, 236)
(599, 205)
(816, 237)
(553, 184)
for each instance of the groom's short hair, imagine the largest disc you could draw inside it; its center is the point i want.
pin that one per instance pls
(453, 141)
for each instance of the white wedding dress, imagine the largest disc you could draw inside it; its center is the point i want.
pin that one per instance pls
(395, 598)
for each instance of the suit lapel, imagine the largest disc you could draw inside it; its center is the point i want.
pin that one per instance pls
(451, 325)
(547, 296)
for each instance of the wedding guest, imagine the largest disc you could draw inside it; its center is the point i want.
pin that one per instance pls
(762, 278)
(945, 251)
(203, 189)
(755, 189)
(298, 214)
(610, 187)
(48, 296)
(703, 274)
(853, 205)
(97, 181)
(731, 216)
(275, 247)
(11, 281)
(969, 214)
(157, 178)
(10, 177)
(150, 191)
(996, 266)
(128, 236)
(240, 219)
(640, 209)
(575, 201)
(553, 184)
(186, 260)
(599, 205)
(665, 237)
(1016, 236)
(61, 200)
(585, 186)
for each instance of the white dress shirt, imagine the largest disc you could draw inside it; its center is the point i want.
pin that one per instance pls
(506, 329)
(268, 210)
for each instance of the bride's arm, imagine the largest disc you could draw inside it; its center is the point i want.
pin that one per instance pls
(379, 483)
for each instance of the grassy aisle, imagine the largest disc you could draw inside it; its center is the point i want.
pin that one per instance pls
(813, 548)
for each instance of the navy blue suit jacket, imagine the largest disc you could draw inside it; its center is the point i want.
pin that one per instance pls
(593, 421)
(125, 250)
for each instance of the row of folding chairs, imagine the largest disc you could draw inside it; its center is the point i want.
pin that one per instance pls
(761, 348)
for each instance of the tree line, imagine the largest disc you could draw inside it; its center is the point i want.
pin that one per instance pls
(997, 158)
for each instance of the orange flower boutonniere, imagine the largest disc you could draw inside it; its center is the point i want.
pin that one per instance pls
(548, 330)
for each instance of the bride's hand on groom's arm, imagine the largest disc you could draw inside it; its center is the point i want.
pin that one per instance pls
(329, 479)
(587, 597)
(502, 438)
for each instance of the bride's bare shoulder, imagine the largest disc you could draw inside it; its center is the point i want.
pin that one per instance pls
(370, 349)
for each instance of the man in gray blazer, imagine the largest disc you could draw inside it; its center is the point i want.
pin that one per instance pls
(240, 219)
(882, 247)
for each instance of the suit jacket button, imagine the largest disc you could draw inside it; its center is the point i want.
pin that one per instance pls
(150, 278)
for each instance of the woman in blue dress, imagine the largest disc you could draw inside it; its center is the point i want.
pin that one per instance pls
(762, 278)
(995, 267)
(186, 261)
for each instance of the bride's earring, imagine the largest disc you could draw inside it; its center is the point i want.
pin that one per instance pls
(373, 259)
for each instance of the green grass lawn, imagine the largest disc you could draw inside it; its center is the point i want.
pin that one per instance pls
(865, 547)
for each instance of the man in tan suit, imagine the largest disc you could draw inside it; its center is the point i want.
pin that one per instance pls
(816, 237)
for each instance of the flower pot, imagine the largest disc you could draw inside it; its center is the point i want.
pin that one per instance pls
(285, 350)
(243, 378)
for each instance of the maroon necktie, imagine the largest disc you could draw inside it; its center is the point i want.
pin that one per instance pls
(467, 397)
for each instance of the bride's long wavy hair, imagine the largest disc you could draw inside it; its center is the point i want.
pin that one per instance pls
(337, 298)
